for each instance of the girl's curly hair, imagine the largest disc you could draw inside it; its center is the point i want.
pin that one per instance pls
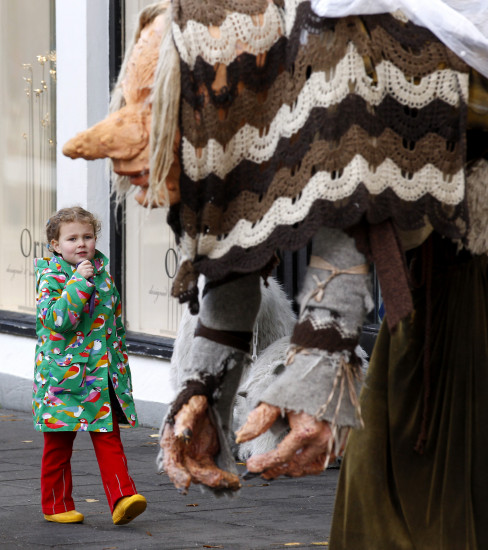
(67, 215)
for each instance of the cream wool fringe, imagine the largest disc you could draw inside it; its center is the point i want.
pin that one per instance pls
(168, 63)
(165, 107)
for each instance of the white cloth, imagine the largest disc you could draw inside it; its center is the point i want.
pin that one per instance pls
(462, 25)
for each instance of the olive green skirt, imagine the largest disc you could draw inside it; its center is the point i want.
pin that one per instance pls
(389, 496)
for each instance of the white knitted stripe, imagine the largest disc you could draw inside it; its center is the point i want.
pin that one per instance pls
(290, 14)
(447, 85)
(286, 211)
(195, 40)
(328, 322)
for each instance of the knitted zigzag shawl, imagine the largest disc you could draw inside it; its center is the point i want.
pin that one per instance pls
(290, 122)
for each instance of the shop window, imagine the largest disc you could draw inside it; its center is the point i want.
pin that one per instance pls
(150, 257)
(151, 263)
(27, 146)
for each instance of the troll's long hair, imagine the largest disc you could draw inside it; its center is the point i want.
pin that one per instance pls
(165, 99)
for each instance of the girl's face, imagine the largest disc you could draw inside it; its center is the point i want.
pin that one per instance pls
(76, 242)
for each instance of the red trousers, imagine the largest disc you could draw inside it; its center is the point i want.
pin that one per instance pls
(56, 481)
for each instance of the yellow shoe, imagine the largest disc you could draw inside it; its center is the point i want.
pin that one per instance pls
(66, 517)
(127, 508)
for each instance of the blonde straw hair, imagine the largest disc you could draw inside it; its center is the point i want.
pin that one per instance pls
(165, 110)
(165, 104)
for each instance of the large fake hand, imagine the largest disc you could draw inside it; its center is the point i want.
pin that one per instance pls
(306, 450)
(190, 446)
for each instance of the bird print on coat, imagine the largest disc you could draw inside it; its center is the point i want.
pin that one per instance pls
(74, 412)
(78, 356)
(71, 372)
(93, 396)
(76, 341)
(52, 401)
(66, 361)
(104, 411)
(89, 380)
(81, 426)
(51, 422)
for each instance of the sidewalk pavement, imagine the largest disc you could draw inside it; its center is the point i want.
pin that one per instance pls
(285, 513)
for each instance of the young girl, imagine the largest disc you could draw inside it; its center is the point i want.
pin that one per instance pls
(82, 377)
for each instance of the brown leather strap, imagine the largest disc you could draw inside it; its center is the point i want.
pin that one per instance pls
(387, 254)
(232, 338)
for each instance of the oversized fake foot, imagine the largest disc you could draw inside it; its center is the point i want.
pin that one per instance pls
(306, 450)
(65, 517)
(190, 446)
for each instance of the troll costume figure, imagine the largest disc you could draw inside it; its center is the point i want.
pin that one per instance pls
(278, 122)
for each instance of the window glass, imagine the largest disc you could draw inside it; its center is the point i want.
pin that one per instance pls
(27, 144)
(151, 263)
(150, 255)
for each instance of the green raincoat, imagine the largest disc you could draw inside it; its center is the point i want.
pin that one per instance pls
(78, 356)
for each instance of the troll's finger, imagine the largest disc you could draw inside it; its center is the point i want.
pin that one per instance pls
(283, 453)
(173, 460)
(259, 420)
(305, 431)
(188, 416)
(205, 471)
(299, 467)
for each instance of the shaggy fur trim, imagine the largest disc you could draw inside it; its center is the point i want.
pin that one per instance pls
(477, 198)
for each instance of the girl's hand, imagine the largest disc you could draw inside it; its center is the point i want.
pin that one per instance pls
(85, 269)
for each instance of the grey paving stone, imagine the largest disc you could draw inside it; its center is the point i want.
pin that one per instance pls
(264, 515)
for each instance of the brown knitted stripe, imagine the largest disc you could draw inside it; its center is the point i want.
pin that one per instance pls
(380, 37)
(320, 54)
(235, 339)
(273, 179)
(418, 57)
(409, 42)
(410, 155)
(341, 215)
(407, 135)
(257, 108)
(252, 206)
(329, 338)
(222, 122)
(213, 12)
(249, 206)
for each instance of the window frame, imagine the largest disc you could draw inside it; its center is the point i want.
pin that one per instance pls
(138, 343)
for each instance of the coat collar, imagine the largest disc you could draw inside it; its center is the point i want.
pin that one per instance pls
(100, 262)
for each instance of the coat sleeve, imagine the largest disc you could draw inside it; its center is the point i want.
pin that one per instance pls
(60, 303)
